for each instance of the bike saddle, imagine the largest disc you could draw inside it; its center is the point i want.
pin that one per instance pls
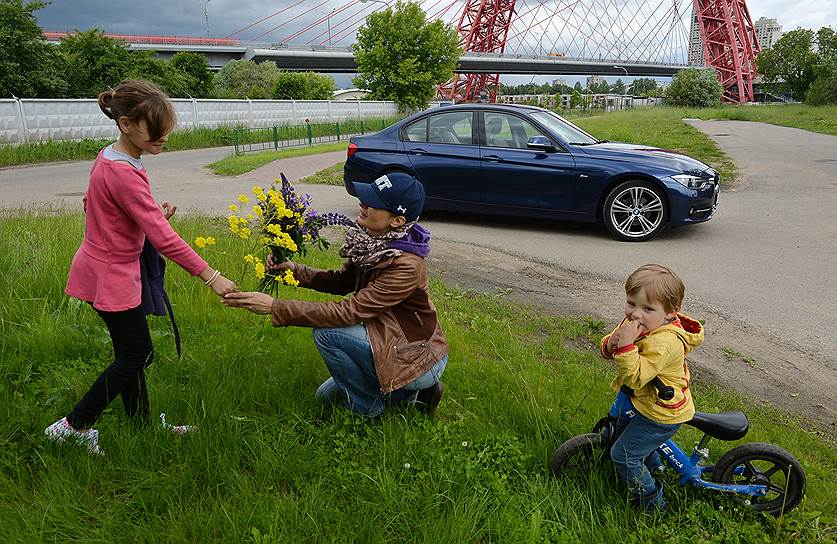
(725, 426)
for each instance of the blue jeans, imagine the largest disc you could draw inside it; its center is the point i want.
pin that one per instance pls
(635, 447)
(353, 383)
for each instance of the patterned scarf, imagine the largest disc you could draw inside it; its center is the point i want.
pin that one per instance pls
(366, 250)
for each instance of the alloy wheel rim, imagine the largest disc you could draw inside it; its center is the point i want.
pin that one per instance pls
(636, 212)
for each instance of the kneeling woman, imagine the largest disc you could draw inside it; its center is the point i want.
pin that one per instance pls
(384, 342)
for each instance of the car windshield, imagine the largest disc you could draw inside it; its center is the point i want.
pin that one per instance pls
(562, 128)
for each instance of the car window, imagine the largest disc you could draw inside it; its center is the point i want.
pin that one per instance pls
(417, 132)
(504, 130)
(563, 128)
(451, 128)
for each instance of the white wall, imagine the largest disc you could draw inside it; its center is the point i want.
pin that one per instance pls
(33, 119)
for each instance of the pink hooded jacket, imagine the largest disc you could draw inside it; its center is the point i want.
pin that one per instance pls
(120, 214)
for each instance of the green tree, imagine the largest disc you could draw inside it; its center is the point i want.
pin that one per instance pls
(401, 56)
(28, 64)
(246, 79)
(196, 69)
(791, 63)
(695, 87)
(824, 88)
(575, 99)
(618, 87)
(93, 63)
(303, 86)
(644, 86)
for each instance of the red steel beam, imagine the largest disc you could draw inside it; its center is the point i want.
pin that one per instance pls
(730, 45)
(483, 28)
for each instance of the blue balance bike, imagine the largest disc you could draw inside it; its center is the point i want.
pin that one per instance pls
(765, 477)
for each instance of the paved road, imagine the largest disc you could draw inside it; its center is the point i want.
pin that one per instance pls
(766, 262)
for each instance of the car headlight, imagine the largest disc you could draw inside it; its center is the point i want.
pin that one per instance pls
(690, 181)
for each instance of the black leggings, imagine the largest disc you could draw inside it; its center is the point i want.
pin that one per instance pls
(133, 351)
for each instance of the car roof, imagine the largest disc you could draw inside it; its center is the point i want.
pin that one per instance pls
(488, 106)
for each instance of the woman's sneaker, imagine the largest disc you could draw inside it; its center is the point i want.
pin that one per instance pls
(176, 429)
(62, 431)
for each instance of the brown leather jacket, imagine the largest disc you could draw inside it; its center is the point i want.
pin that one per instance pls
(391, 299)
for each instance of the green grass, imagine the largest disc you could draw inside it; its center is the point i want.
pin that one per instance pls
(65, 150)
(814, 118)
(234, 165)
(662, 127)
(333, 175)
(271, 465)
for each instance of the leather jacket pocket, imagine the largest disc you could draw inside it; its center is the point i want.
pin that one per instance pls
(413, 353)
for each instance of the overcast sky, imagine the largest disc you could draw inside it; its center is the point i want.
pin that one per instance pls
(186, 17)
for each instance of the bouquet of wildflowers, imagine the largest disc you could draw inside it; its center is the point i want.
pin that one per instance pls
(280, 223)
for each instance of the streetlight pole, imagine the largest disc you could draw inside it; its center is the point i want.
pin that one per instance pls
(622, 105)
(328, 22)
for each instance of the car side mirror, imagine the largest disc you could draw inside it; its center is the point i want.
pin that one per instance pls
(540, 143)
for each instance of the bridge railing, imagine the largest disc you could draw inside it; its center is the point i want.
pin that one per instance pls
(246, 140)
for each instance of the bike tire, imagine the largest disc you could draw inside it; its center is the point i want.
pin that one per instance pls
(759, 463)
(581, 452)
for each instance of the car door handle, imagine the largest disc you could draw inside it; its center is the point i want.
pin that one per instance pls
(417, 151)
(492, 158)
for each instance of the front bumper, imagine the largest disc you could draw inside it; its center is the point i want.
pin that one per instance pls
(692, 205)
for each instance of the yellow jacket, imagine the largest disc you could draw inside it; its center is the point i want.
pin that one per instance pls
(662, 352)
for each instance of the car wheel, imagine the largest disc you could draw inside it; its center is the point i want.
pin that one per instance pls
(635, 211)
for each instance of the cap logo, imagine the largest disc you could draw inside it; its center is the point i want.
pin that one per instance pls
(401, 209)
(383, 182)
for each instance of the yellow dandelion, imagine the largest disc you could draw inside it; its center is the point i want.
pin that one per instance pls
(200, 241)
(233, 208)
(210, 241)
(243, 199)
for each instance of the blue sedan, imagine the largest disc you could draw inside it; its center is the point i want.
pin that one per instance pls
(527, 161)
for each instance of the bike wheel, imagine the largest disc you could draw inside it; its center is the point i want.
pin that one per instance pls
(582, 452)
(764, 464)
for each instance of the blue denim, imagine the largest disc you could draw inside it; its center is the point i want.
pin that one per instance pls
(635, 447)
(353, 383)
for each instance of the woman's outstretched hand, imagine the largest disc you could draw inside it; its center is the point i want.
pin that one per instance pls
(258, 303)
(222, 286)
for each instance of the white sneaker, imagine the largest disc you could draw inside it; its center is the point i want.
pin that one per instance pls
(177, 429)
(62, 431)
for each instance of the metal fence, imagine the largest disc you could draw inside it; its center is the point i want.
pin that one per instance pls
(276, 137)
(34, 120)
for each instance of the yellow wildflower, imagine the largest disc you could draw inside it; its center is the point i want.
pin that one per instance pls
(243, 199)
(289, 278)
(264, 240)
(257, 190)
(259, 266)
(258, 210)
(233, 208)
(250, 217)
(245, 233)
(210, 241)
(200, 241)
(250, 259)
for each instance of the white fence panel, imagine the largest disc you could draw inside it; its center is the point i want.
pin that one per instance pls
(267, 113)
(33, 119)
(70, 119)
(10, 127)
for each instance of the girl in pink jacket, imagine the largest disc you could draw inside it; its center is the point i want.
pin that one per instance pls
(120, 215)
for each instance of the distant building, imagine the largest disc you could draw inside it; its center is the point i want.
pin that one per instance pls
(559, 81)
(595, 81)
(768, 32)
(696, 57)
(350, 94)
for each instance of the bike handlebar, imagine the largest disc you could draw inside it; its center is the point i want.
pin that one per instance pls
(664, 392)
